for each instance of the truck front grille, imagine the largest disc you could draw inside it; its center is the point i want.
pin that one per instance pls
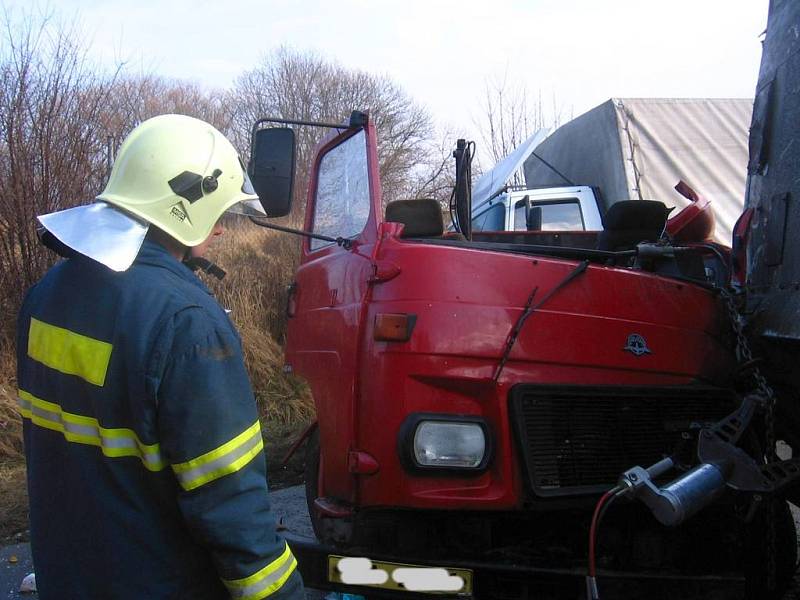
(578, 439)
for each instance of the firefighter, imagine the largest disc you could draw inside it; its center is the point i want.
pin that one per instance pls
(146, 469)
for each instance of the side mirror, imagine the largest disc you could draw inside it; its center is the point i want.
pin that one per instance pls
(534, 219)
(533, 215)
(271, 169)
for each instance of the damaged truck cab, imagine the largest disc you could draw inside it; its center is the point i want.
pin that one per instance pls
(475, 396)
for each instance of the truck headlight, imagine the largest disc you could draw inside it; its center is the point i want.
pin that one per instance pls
(442, 444)
(436, 442)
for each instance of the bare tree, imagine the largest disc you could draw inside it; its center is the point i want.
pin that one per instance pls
(135, 98)
(434, 174)
(50, 140)
(509, 116)
(303, 85)
(58, 117)
(61, 120)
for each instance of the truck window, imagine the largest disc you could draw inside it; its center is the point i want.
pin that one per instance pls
(342, 204)
(492, 219)
(556, 216)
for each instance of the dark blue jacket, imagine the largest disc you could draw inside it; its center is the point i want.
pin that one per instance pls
(146, 469)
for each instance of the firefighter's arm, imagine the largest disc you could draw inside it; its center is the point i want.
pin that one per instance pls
(210, 434)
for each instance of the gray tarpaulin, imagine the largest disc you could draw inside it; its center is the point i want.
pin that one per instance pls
(634, 148)
(493, 181)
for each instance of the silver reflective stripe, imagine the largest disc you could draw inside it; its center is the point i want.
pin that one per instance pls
(24, 404)
(257, 590)
(87, 430)
(202, 472)
(55, 417)
(263, 587)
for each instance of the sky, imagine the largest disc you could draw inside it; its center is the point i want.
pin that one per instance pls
(574, 53)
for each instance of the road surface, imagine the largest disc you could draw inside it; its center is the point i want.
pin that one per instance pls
(290, 508)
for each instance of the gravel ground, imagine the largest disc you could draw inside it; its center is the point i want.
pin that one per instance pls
(289, 506)
(15, 564)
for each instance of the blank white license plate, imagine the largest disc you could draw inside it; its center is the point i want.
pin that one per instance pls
(352, 570)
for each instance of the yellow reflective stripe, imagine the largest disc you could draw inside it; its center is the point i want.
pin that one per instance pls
(206, 458)
(266, 581)
(51, 406)
(69, 352)
(81, 429)
(259, 575)
(231, 467)
(224, 460)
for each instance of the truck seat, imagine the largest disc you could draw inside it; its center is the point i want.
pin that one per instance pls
(422, 218)
(630, 222)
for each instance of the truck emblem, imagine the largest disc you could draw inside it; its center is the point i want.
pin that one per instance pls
(637, 345)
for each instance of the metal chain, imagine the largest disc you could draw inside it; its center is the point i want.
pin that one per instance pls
(745, 357)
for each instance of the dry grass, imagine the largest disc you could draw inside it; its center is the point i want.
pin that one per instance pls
(13, 498)
(10, 422)
(260, 265)
(13, 488)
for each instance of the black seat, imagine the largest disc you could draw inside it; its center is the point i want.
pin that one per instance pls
(631, 222)
(422, 218)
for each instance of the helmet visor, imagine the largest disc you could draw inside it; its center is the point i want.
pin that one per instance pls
(247, 185)
(250, 208)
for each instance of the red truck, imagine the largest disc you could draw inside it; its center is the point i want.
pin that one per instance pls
(477, 392)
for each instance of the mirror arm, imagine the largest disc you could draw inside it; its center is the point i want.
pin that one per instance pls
(345, 243)
(357, 119)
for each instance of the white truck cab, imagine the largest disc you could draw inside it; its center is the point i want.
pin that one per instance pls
(570, 208)
(499, 207)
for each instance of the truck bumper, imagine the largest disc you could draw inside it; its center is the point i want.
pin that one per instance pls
(502, 581)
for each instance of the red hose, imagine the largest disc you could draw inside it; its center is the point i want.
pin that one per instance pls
(593, 529)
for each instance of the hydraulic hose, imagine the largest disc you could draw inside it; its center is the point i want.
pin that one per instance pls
(599, 510)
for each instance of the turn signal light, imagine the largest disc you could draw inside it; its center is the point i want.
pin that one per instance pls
(394, 327)
(741, 239)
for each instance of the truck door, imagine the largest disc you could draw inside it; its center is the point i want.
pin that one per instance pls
(329, 292)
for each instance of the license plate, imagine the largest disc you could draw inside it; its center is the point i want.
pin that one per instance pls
(400, 577)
